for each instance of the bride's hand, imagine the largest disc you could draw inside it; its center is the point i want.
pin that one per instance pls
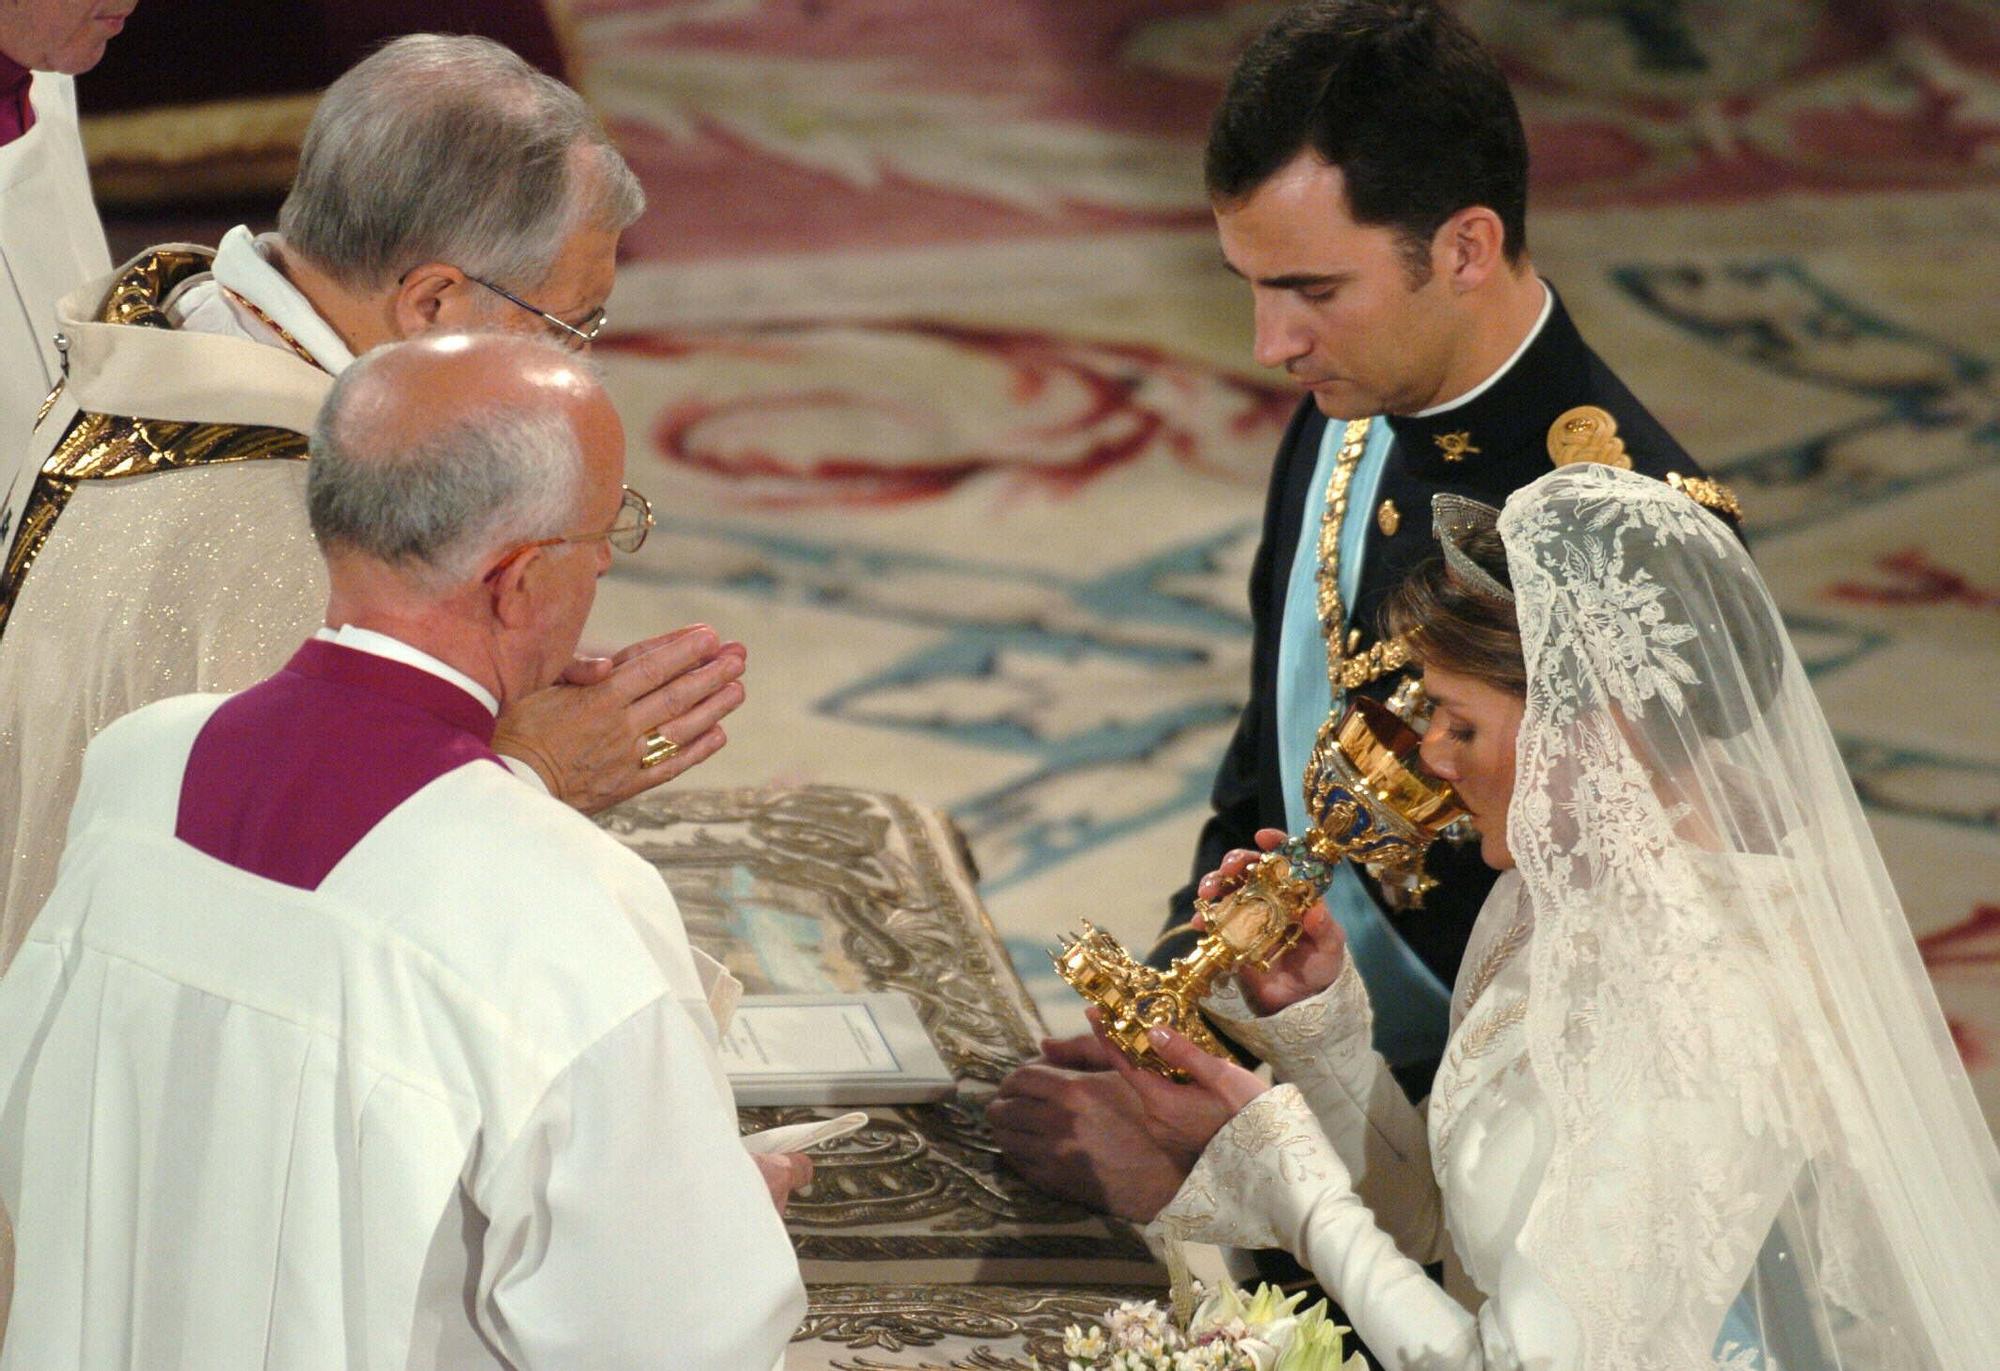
(1308, 966)
(1182, 1117)
(1229, 874)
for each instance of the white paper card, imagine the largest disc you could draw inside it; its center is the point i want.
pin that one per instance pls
(832, 1049)
(798, 1137)
(806, 1039)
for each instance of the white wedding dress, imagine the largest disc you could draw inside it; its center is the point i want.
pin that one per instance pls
(1452, 1183)
(1699, 1107)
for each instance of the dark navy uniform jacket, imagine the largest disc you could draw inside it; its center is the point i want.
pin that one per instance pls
(1508, 425)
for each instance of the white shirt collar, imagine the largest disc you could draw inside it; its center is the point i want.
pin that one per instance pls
(396, 650)
(242, 265)
(1548, 308)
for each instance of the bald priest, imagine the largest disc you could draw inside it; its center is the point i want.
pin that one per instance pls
(339, 1045)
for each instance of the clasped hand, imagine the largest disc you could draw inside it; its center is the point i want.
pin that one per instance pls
(584, 734)
(783, 1173)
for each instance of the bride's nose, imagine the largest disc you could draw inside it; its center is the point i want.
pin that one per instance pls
(1437, 754)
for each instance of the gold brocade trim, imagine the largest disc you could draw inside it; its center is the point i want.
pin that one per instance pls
(48, 403)
(139, 295)
(1710, 494)
(105, 447)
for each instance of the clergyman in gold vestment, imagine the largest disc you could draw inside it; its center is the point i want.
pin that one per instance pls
(165, 549)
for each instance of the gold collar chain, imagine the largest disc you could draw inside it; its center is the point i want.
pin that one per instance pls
(1343, 673)
(1332, 613)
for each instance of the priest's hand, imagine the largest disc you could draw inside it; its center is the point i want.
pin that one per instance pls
(784, 1172)
(1071, 1125)
(587, 734)
(1308, 966)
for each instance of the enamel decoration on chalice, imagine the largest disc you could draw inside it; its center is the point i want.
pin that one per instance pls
(1374, 804)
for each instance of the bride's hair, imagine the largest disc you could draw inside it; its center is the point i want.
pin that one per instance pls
(1459, 627)
(1452, 623)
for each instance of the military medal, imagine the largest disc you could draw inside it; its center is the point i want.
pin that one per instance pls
(1456, 447)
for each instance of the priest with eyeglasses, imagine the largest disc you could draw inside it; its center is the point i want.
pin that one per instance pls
(337, 1043)
(444, 184)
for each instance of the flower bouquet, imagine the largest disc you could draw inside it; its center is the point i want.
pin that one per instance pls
(1228, 1332)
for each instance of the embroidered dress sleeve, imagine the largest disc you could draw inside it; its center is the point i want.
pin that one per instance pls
(1273, 1177)
(1322, 1045)
(626, 1225)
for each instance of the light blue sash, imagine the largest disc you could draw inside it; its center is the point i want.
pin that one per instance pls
(1412, 1007)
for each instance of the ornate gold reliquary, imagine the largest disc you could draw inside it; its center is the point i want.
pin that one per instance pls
(1373, 803)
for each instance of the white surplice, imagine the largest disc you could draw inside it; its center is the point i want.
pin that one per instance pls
(50, 243)
(458, 1107)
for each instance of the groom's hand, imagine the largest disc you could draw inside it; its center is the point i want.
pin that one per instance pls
(1071, 1125)
(1182, 1117)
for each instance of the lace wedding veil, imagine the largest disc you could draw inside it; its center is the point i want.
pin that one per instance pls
(1761, 1123)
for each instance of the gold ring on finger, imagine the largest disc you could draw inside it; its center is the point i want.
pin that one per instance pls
(656, 747)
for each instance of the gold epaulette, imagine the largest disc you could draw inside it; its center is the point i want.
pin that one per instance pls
(1708, 493)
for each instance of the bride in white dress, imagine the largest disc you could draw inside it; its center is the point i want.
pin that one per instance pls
(1699, 1106)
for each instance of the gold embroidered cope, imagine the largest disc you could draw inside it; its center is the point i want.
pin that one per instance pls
(106, 447)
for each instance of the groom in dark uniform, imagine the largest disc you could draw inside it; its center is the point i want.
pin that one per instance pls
(1369, 176)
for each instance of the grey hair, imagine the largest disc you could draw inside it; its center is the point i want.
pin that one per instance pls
(451, 149)
(438, 507)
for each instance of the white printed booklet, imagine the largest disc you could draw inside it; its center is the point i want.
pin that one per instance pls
(832, 1049)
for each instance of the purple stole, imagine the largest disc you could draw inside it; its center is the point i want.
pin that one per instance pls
(286, 777)
(17, 111)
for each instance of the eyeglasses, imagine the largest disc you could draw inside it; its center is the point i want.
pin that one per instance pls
(627, 532)
(578, 336)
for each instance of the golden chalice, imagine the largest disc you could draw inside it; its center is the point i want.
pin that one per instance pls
(1373, 803)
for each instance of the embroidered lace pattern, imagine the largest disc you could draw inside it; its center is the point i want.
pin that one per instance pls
(1724, 992)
